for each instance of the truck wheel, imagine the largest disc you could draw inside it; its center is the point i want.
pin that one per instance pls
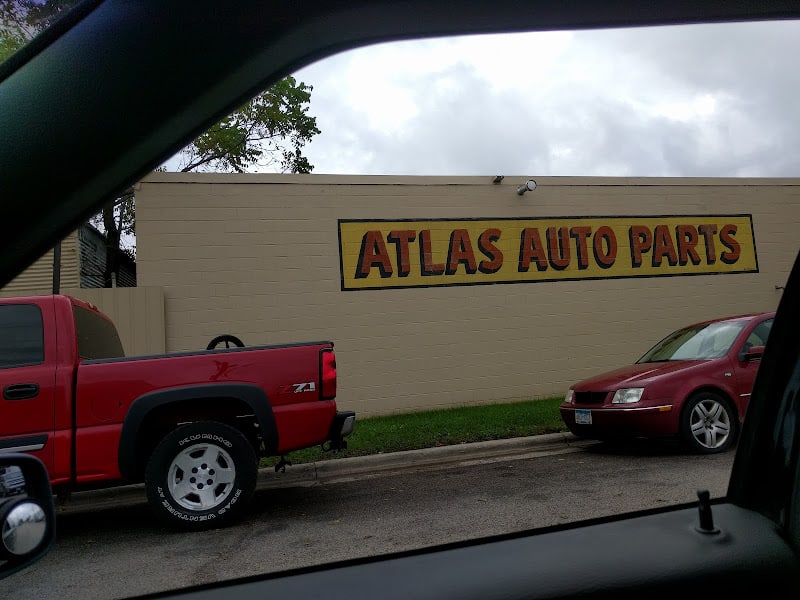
(709, 423)
(201, 476)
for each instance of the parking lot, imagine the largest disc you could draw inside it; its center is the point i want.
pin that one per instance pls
(120, 551)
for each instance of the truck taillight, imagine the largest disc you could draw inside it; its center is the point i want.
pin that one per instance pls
(327, 375)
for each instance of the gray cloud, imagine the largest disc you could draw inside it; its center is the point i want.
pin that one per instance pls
(600, 118)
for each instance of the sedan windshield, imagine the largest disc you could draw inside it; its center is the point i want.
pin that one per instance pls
(695, 343)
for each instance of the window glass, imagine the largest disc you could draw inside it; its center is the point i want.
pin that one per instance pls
(693, 101)
(695, 343)
(97, 337)
(759, 335)
(21, 335)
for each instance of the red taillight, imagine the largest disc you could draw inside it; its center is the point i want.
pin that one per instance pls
(327, 375)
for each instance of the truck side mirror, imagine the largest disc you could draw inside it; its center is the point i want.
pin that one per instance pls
(27, 512)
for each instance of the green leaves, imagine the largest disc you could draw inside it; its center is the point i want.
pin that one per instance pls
(270, 130)
(21, 20)
(10, 42)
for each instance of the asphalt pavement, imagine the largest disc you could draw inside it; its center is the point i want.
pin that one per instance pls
(358, 467)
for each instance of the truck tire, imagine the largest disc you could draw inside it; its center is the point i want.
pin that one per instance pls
(201, 476)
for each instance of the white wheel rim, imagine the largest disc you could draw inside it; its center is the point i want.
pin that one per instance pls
(201, 477)
(710, 424)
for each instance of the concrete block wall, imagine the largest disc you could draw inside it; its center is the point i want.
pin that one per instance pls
(258, 256)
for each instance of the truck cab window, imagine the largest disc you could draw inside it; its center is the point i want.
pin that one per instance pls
(21, 335)
(97, 337)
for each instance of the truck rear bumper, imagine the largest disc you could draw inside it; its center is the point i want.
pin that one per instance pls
(341, 427)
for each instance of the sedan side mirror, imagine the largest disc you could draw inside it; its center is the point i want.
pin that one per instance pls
(753, 353)
(27, 512)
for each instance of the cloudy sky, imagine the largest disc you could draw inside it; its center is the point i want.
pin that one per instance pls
(706, 100)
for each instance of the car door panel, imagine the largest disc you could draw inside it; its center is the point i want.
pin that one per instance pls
(27, 382)
(745, 371)
(652, 555)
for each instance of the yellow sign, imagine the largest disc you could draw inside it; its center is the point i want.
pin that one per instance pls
(413, 253)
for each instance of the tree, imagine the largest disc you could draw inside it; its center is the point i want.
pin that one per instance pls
(21, 20)
(11, 38)
(269, 131)
(116, 220)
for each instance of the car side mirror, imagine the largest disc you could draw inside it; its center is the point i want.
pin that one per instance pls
(753, 353)
(27, 512)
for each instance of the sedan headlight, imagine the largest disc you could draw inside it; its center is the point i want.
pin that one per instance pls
(570, 397)
(627, 396)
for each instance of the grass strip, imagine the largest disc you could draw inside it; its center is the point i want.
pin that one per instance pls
(428, 429)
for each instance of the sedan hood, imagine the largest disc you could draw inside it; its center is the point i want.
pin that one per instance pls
(636, 375)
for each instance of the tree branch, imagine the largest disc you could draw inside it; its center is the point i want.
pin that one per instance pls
(203, 160)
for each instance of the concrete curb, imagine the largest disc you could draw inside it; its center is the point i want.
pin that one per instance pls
(444, 456)
(357, 467)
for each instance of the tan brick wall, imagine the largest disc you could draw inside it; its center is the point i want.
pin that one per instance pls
(137, 312)
(257, 256)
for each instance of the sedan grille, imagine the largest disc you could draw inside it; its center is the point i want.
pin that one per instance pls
(590, 397)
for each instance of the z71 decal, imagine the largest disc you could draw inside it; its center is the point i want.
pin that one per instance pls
(298, 388)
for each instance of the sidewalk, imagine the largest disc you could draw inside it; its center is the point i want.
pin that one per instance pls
(359, 467)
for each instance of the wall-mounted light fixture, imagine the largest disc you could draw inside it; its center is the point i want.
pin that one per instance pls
(528, 186)
(497, 179)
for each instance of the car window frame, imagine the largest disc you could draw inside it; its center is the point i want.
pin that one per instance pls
(764, 477)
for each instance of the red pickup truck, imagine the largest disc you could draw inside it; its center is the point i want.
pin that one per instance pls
(190, 425)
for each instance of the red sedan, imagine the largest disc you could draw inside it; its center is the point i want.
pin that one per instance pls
(695, 384)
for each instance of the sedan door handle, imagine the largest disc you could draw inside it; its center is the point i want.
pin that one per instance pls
(21, 391)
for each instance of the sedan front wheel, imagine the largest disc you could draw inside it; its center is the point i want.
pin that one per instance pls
(709, 423)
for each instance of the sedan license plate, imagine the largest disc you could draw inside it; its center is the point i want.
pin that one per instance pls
(583, 416)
